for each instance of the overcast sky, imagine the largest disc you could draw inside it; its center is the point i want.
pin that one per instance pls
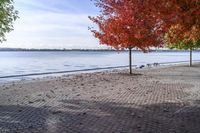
(53, 24)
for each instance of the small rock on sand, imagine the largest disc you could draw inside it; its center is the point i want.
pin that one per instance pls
(138, 126)
(40, 100)
(133, 114)
(140, 116)
(56, 112)
(48, 96)
(30, 102)
(165, 110)
(52, 91)
(6, 88)
(20, 110)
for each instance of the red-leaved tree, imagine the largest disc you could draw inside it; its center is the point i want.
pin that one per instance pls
(180, 20)
(124, 24)
(183, 16)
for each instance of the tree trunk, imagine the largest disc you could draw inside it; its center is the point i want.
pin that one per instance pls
(130, 60)
(190, 57)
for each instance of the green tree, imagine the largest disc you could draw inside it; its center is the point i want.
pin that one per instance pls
(8, 15)
(185, 45)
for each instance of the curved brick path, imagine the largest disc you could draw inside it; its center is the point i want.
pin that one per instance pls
(154, 102)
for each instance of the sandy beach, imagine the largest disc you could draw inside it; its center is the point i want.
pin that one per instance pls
(153, 100)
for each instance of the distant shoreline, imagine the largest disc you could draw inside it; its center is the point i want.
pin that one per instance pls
(80, 50)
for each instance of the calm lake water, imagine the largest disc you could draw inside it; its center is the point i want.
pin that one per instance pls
(20, 63)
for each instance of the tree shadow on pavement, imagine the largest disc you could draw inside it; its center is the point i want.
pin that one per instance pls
(79, 116)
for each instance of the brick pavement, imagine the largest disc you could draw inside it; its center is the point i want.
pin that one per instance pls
(105, 103)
